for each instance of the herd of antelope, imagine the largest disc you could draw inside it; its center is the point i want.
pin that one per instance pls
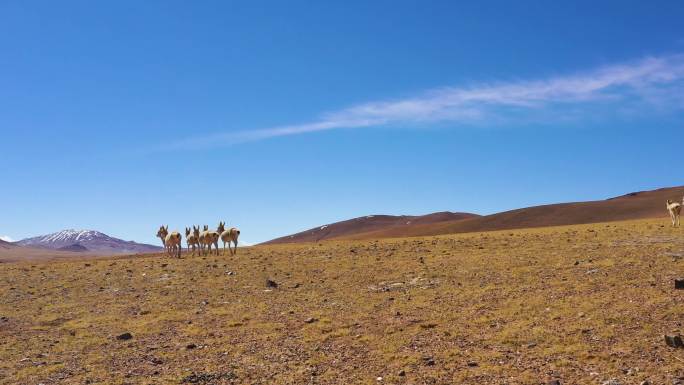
(199, 241)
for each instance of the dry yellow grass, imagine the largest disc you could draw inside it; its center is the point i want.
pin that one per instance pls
(579, 303)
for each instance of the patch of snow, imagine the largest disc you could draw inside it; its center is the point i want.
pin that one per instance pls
(323, 227)
(71, 235)
(6, 238)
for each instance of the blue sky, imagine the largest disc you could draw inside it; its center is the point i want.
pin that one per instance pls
(280, 116)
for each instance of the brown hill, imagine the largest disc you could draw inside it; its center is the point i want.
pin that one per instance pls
(77, 247)
(11, 252)
(371, 223)
(636, 205)
(6, 245)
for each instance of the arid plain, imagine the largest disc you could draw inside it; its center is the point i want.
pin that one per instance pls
(583, 304)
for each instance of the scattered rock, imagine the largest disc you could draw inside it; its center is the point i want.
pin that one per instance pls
(207, 378)
(310, 320)
(190, 346)
(674, 341)
(429, 361)
(401, 373)
(271, 283)
(679, 284)
(124, 336)
(472, 364)
(644, 382)
(612, 381)
(554, 382)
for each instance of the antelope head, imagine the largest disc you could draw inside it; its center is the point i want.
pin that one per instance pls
(162, 233)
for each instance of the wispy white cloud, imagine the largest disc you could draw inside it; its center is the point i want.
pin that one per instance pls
(6, 238)
(650, 81)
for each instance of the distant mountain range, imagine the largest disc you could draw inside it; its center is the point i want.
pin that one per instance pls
(635, 205)
(86, 241)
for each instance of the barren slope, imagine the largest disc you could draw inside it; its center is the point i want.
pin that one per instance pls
(360, 225)
(6, 245)
(583, 304)
(14, 253)
(637, 205)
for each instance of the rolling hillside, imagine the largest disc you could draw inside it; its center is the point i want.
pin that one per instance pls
(371, 223)
(636, 205)
(14, 253)
(6, 245)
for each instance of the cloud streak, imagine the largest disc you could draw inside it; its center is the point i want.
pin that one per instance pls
(646, 82)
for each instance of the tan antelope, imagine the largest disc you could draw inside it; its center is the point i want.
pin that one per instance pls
(675, 209)
(171, 241)
(208, 238)
(227, 236)
(192, 238)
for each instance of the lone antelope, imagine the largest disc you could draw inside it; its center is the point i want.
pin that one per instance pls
(192, 238)
(171, 241)
(674, 208)
(227, 236)
(208, 238)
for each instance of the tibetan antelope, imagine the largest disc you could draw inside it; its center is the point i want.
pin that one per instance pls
(674, 208)
(208, 238)
(227, 236)
(171, 241)
(192, 238)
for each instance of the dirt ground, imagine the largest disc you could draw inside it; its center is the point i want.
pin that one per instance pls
(582, 304)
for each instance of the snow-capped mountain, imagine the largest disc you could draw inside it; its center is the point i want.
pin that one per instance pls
(94, 241)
